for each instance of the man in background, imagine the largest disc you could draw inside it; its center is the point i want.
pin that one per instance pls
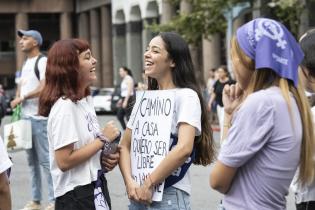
(30, 85)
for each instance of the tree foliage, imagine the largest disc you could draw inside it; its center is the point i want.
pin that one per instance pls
(288, 12)
(207, 17)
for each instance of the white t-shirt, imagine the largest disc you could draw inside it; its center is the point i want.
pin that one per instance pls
(124, 86)
(69, 123)
(29, 82)
(5, 162)
(187, 110)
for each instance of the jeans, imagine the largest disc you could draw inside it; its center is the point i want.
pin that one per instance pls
(173, 199)
(39, 155)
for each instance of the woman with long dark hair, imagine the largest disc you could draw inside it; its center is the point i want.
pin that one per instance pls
(168, 66)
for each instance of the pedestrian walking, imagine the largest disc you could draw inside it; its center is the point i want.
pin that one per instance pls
(75, 138)
(30, 84)
(126, 101)
(216, 94)
(168, 65)
(305, 194)
(268, 131)
(5, 164)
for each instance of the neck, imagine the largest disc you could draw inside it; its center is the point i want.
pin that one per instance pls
(166, 84)
(33, 53)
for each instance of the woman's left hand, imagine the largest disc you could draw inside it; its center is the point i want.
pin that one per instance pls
(109, 162)
(145, 193)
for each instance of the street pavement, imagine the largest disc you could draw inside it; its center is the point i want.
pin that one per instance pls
(202, 198)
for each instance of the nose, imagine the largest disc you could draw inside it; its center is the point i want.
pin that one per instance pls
(146, 54)
(94, 61)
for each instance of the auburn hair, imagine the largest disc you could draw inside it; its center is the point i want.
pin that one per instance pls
(62, 74)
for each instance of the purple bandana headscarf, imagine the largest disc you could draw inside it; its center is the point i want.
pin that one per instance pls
(272, 46)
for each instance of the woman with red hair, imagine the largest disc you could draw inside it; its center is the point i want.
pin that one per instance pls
(75, 138)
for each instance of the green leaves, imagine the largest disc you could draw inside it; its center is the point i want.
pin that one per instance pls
(205, 19)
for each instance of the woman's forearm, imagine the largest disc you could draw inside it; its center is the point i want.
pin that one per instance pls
(68, 158)
(125, 164)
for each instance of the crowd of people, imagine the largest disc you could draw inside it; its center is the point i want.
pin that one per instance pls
(266, 115)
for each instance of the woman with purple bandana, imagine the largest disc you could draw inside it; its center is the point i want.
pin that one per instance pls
(266, 135)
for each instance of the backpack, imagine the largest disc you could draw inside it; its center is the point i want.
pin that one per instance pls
(36, 70)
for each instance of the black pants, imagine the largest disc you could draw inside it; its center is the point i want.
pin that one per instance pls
(306, 206)
(81, 198)
(125, 113)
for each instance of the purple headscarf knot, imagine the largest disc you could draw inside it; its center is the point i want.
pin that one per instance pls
(271, 45)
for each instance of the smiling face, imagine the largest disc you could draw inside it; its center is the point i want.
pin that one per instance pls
(87, 64)
(158, 65)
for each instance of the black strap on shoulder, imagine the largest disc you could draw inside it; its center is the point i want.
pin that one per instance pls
(36, 70)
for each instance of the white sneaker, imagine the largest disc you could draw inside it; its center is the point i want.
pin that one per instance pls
(50, 206)
(31, 206)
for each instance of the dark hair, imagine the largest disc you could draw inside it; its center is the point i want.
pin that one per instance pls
(183, 76)
(62, 73)
(126, 69)
(307, 43)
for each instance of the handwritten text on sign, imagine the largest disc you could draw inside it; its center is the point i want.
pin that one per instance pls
(151, 134)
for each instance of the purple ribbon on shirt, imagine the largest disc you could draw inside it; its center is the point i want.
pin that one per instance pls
(272, 46)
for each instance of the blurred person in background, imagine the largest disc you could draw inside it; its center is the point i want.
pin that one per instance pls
(305, 194)
(216, 94)
(210, 83)
(125, 104)
(31, 82)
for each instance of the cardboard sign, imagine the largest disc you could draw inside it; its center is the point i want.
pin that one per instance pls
(151, 130)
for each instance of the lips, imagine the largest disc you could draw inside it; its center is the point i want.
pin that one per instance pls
(92, 70)
(148, 64)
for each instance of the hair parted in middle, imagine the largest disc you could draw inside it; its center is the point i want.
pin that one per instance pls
(183, 76)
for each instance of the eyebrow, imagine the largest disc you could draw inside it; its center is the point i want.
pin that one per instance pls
(155, 47)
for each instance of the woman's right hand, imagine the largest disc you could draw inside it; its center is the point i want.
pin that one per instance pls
(110, 131)
(232, 97)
